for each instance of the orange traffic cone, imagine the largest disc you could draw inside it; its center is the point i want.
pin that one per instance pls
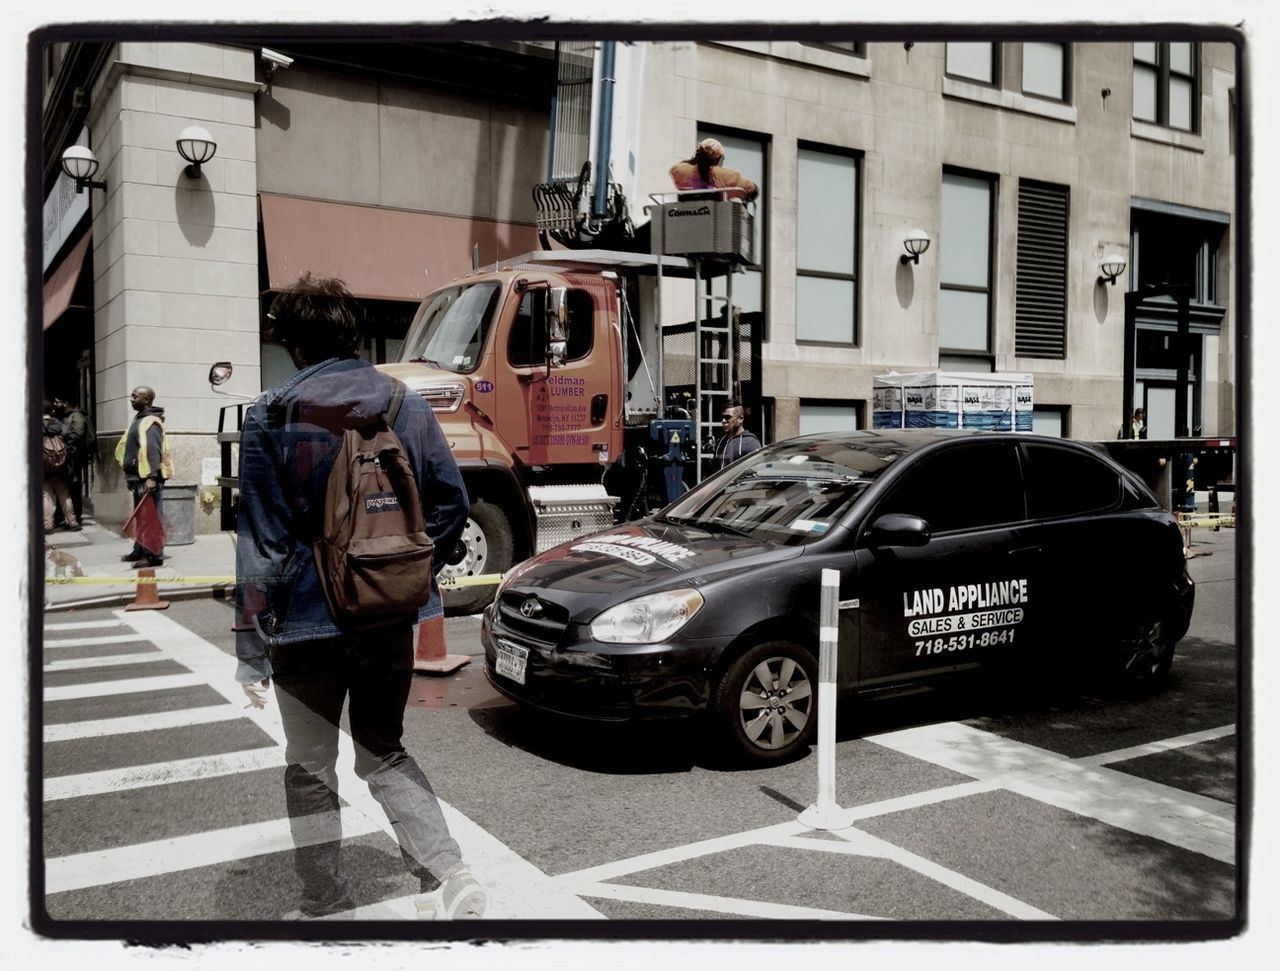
(429, 656)
(146, 596)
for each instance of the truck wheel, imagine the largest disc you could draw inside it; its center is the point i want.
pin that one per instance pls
(766, 704)
(487, 537)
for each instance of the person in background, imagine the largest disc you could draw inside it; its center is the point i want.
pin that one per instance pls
(706, 171)
(736, 441)
(55, 484)
(143, 454)
(1138, 427)
(285, 629)
(78, 433)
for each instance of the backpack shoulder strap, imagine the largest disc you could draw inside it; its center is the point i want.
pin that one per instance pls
(398, 389)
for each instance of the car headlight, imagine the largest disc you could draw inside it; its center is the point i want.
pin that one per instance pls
(646, 620)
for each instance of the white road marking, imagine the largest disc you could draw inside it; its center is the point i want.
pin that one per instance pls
(102, 689)
(518, 887)
(859, 843)
(161, 773)
(1172, 815)
(105, 661)
(917, 799)
(91, 641)
(84, 625)
(1152, 748)
(722, 905)
(679, 854)
(156, 858)
(130, 724)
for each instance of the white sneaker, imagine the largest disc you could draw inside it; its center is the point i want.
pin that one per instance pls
(462, 897)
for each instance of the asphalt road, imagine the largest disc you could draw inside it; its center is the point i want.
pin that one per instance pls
(1006, 802)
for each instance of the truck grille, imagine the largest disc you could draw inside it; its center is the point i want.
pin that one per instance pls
(545, 626)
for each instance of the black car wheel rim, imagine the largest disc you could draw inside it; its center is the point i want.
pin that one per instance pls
(775, 703)
(1150, 651)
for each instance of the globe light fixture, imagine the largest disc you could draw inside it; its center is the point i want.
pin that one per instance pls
(916, 242)
(79, 163)
(1113, 265)
(196, 146)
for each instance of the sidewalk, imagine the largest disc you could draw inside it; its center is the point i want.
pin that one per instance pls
(200, 569)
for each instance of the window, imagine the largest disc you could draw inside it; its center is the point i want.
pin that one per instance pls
(826, 247)
(747, 154)
(1165, 84)
(1049, 420)
(1166, 248)
(856, 48)
(964, 315)
(1044, 70)
(974, 62)
(945, 492)
(1064, 482)
(830, 416)
(527, 346)
(1040, 290)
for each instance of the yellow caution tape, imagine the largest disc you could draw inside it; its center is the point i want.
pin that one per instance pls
(1206, 519)
(478, 581)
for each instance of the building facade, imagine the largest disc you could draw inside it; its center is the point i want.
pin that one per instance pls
(398, 166)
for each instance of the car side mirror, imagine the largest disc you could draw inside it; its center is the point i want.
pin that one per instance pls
(898, 529)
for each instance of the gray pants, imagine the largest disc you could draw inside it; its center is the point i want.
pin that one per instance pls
(374, 671)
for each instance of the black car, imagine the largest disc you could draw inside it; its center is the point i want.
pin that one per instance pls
(955, 550)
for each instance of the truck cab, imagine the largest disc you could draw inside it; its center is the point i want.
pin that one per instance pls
(525, 367)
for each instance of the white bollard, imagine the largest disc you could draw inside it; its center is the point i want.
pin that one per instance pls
(826, 813)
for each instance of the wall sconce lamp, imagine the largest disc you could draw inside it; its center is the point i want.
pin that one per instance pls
(81, 164)
(917, 242)
(197, 146)
(1113, 265)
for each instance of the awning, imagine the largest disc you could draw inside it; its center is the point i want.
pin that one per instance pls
(59, 287)
(382, 254)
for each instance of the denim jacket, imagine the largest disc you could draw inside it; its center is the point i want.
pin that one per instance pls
(288, 444)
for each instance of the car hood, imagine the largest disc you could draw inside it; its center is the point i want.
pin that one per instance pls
(594, 572)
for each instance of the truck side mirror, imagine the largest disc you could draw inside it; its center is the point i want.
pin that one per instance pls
(557, 320)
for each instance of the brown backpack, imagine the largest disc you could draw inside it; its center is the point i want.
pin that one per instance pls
(55, 452)
(373, 554)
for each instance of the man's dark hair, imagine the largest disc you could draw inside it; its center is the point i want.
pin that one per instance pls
(316, 317)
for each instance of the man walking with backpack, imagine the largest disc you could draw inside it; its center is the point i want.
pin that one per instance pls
(346, 483)
(81, 439)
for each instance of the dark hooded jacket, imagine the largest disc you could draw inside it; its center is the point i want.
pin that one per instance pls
(290, 439)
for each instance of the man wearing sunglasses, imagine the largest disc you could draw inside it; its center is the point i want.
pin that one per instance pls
(736, 441)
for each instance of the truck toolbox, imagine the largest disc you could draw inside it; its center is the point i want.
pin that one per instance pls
(569, 511)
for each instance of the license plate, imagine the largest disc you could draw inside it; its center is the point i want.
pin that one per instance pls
(511, 661)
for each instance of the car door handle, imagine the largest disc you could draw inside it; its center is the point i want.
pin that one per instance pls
(1025, 551)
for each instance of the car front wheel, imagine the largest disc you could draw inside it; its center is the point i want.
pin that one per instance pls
(766, 703)
(1147, 657)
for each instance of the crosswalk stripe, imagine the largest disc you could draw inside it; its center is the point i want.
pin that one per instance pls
(162, 773)
(1126, 802)
(709, 902)
(103, 689)
(107, 660)
(160, 857)
(84, 625)
(518, 886)
(88, 641)
(1153, 748)
(130, 724)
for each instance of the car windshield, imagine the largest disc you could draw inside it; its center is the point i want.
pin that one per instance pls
(790, 493)
(451, 327)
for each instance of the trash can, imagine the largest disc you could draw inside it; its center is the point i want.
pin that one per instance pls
(179, 513)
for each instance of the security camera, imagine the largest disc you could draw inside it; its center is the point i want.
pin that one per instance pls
(275, 58)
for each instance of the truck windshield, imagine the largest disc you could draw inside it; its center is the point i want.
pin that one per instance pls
(791, 493)
(452, 326)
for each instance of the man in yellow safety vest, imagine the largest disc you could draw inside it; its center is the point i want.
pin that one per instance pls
(143, 453)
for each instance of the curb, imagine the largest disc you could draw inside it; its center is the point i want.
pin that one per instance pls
(217, 591)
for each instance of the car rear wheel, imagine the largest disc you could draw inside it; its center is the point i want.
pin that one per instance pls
(1148, 655)
(766, 703)
(489, 545)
